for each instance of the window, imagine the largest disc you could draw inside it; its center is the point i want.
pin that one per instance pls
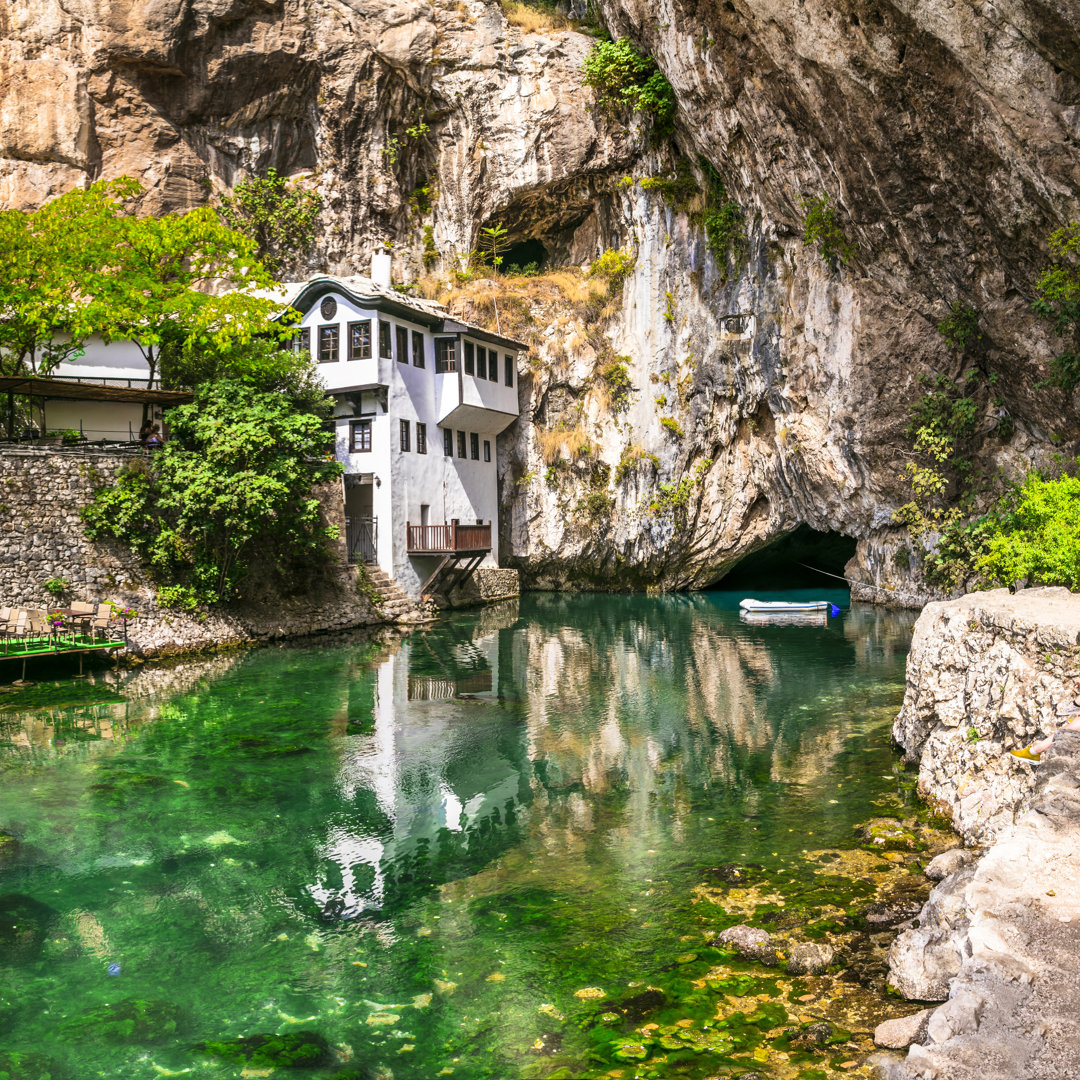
(360, 340)
(470, 359)
(418, 349)
(328, 344)
(421, 438)
(404, 436)
(487, 450)
(481, 362)
(474, 445)
(445, 355)
(384, 339)
(302, 342)
(461, 444)
(509, 370)
(402, 345)
(448, 442)
(360, 437)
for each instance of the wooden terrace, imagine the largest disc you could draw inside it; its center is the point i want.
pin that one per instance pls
(459, 548)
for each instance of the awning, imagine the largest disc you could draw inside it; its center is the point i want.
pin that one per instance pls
(37, 386)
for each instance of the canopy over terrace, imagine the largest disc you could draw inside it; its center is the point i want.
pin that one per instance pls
(114, 391)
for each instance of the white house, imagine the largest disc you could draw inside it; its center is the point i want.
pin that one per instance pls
(419, 398)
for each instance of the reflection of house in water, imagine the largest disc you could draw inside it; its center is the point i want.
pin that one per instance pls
(414, 783)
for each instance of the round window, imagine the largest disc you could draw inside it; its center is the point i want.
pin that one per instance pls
(328, 308)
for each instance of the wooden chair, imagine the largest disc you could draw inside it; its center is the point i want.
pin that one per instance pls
(14, 626)
(102, 621)
(83, 625)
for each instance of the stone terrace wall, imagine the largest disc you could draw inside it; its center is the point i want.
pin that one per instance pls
(985, 674)
(41, 536)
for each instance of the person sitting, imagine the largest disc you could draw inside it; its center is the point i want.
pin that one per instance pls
(1035, 751)
(155, 440)
(144, 432)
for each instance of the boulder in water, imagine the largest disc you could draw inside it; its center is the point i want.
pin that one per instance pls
(809, 958)
(131, 1021)
(24, 924)
(750, 943)
(296, 1050)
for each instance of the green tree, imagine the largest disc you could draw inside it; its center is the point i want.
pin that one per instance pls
(623, 76)
(279, 216)
(234, 485)
(1059, 300)
(161, 267)
(56, 275)
(493, 243)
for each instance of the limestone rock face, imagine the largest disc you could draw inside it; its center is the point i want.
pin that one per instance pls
(1014, 922)
(985, 675)
(945, 134)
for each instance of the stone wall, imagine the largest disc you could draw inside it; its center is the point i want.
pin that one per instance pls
(997, 940)
(985, 674)
(41, 536)
(487, 585)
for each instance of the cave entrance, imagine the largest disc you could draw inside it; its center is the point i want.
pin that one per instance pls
(802, 559)
(527, 256)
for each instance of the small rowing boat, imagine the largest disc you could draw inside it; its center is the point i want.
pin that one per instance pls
(787, 607)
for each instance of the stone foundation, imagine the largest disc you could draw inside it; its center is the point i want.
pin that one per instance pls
(487, 585)
(41, 537)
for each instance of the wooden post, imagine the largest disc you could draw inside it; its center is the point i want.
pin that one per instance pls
(453, 535)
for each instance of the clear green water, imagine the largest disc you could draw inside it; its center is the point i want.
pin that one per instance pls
(424, 850)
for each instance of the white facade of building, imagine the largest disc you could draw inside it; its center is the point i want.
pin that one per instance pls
(419, 399)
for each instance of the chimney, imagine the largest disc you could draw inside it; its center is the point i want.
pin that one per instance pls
(380, 269)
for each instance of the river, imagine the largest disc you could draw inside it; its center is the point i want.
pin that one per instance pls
(496, 847)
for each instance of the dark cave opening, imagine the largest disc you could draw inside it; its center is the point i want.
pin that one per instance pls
(526, 255)
(802, 559)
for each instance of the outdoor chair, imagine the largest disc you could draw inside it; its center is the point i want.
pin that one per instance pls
(80, 607)
(13, 626)
(102, 621)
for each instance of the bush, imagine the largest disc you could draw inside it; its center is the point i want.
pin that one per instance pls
(1059, 301)
(623, 76)
(960, 328)
(1034, 534)
(615, 265)
(233, 485)
(821, 229)
(616, 378)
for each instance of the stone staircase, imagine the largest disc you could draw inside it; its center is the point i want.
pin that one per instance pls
(397, 605)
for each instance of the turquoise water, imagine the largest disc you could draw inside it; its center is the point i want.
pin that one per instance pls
(472, 851)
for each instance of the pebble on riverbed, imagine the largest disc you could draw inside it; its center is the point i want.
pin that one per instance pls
(809, 958)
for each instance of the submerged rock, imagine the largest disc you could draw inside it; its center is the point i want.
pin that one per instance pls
(889, 835)
(296, 1050)
(948, 862)
(24, 923)
(903, 1031)
(133, 1020)
(809, 958)
(15, 1066)
(733, 874)
(750, 943)
(636, 1007)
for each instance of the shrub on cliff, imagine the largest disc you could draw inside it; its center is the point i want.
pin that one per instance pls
(279, 215)
(232, 487)
(1032, 533)
(625, 77)
(1059, 300)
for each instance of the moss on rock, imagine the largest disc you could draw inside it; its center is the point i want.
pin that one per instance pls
(295, 1050)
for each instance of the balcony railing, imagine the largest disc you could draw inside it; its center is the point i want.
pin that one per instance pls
(448, 539)
(362, 536)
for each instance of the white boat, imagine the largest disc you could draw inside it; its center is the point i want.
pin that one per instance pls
(787, 607)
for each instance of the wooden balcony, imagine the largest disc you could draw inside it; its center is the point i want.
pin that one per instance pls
(451, 539)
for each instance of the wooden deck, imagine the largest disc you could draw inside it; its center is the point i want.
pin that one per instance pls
(451, 539)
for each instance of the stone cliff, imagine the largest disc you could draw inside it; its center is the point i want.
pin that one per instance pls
(947, 137)
(998, 937)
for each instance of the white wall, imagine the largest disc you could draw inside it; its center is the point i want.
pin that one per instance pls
(112, 420)
(117, 360)
(452, 487)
